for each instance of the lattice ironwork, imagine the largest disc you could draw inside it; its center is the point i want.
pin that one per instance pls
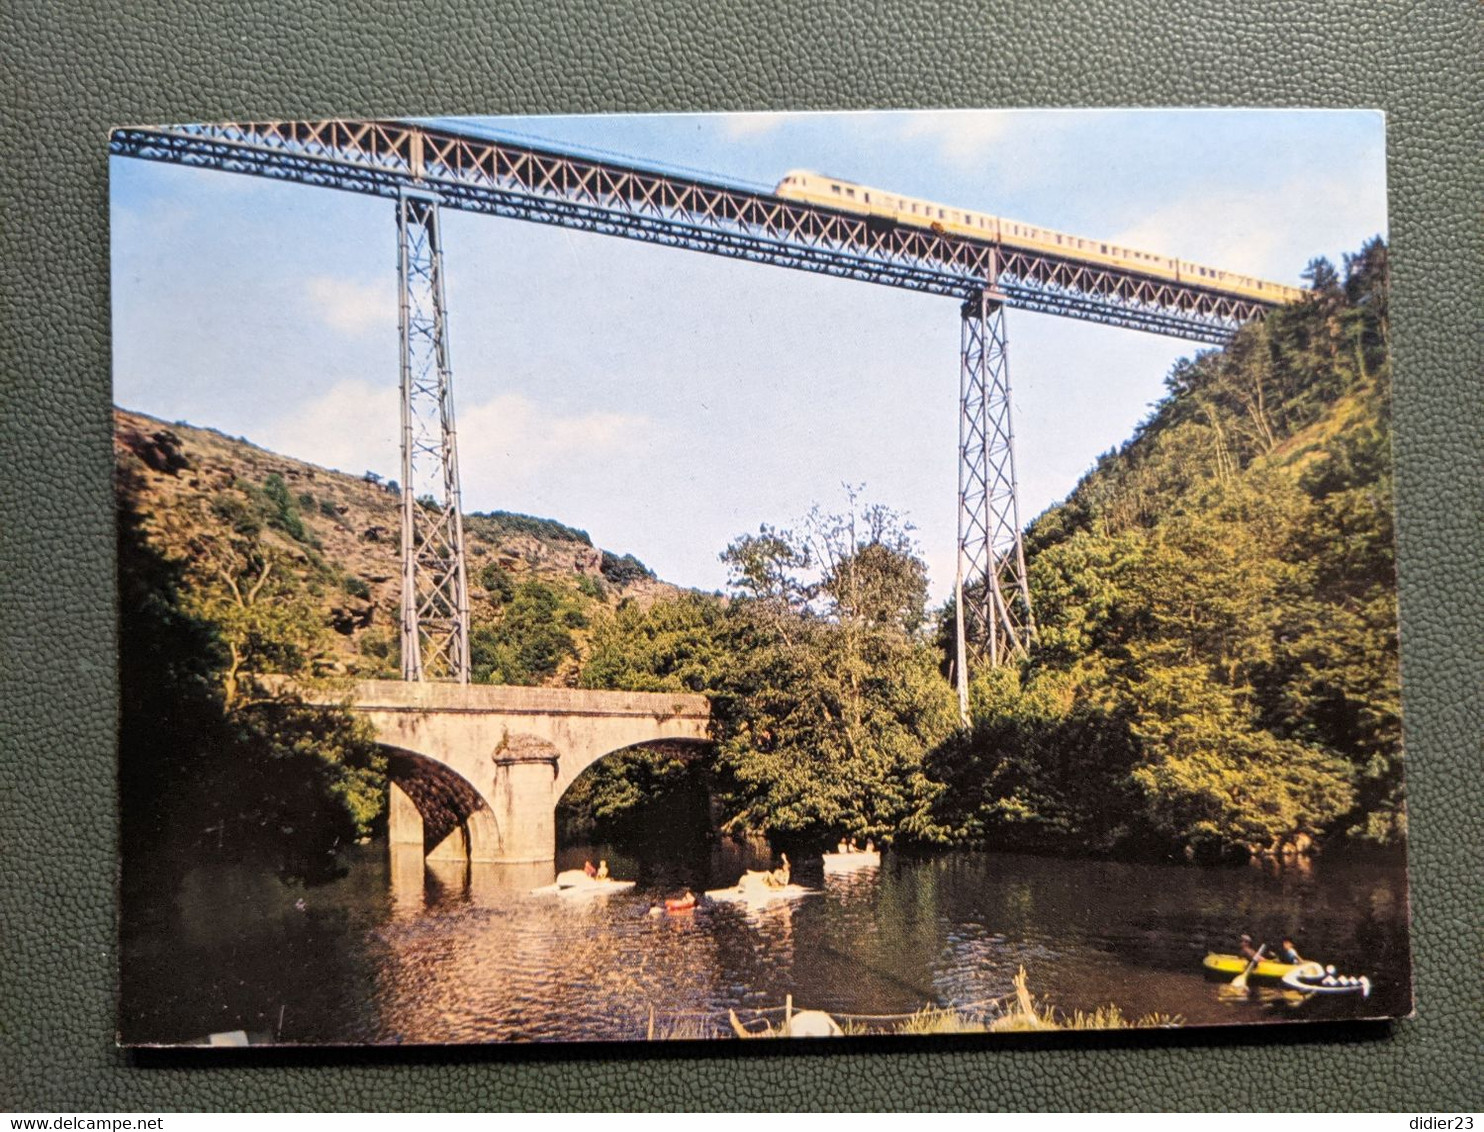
(435, 591)
(422, 168)
(530, 183)
(992, 597)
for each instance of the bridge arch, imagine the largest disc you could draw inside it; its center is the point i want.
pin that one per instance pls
(515, 749)
(686, 800)
(434, 807)
(687, 747)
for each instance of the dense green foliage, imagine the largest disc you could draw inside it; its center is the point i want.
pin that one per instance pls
(531, 636)
(625, 569)
(825, 694)
(655, 795)
(492, 524)
(214, 759)
(1216, 603)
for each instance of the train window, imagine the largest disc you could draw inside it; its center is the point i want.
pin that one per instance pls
(850, 192)
(835, 189)
(867, 196)
(1105, 249)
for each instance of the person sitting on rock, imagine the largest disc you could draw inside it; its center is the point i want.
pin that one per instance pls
(602, 873)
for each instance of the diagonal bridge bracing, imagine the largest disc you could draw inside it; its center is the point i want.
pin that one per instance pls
(530, 183)
(435, 589)
(992, 601)
(408, 161)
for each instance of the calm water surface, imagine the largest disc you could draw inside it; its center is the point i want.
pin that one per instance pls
(395, 952)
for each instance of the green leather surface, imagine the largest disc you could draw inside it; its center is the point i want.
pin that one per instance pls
(69, 70)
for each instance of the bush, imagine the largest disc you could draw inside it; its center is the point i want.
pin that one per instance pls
(622, 571)
(493, 523)
(496, 581)
(238, 515)
(282, 513)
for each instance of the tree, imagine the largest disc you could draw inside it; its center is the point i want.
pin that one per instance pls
(872, 574)
(531, 639)
(1322, 277)
(217, 754)
(833, 695)
(681, 644)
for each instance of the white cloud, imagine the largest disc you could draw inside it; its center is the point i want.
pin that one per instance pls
(510, 447)
(1257, 232)
(353, 428)
(752, 124)
(517, 444)
(964, 137)
(350, 306)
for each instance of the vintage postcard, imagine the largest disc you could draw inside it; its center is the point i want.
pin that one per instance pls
(754, 576)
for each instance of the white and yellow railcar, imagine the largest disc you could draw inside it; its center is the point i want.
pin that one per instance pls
(814, 188)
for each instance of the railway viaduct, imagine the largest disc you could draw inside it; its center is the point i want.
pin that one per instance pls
(477, 770)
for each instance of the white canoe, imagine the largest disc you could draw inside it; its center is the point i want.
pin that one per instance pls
(849, 862)
(757, 893)
(575, 882)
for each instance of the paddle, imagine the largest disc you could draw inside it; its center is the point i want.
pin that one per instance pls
(1240, 982)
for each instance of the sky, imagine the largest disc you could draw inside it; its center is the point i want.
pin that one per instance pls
(668, 401)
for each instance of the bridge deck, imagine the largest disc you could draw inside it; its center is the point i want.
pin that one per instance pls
(486, 699)
(480, 174)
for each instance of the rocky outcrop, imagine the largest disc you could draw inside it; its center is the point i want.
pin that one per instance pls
(340, 532)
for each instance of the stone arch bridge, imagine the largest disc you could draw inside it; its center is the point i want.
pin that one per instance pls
(477, 770)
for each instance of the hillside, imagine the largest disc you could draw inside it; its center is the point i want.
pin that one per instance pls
(1217, 665)
(199, 492)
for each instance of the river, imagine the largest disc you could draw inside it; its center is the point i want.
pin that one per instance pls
(393, 952)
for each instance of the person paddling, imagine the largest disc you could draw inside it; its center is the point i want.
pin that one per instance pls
(1252, 957)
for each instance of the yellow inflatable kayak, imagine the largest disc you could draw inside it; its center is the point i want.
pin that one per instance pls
(1233, 965)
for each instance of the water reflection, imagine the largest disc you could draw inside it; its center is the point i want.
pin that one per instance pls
(407, 879)
(399, 950)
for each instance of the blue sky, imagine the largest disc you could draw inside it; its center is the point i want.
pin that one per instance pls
(668, 401)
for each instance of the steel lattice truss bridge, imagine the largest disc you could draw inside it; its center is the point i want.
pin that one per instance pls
(422, 169)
